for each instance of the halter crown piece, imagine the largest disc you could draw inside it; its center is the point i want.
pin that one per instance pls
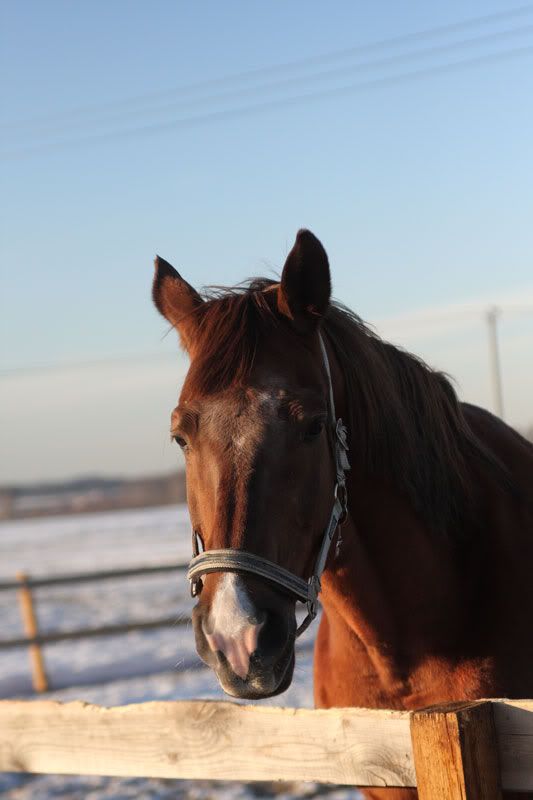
(232, 560)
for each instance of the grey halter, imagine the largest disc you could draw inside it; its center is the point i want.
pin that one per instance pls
(231, 560)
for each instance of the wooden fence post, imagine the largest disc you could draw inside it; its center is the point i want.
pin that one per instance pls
(455, 752)
(38, 672)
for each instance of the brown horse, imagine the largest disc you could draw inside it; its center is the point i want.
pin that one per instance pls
(429, 597)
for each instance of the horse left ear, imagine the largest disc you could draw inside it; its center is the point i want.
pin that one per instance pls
(176, 300)
(305, 289)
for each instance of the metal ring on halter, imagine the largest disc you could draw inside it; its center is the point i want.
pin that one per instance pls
(232, 560)
(196, 583)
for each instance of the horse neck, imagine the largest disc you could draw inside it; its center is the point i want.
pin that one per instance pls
(395, 585)
(399, 586)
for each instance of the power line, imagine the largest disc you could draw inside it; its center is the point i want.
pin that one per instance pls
(270, 105)
(184, 89)
(333, 73)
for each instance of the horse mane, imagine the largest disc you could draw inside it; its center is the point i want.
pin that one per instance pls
(405, 422)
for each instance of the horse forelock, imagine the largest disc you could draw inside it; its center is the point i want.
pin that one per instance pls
(229, 326)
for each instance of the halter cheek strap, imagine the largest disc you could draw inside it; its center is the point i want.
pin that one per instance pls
(231, 560)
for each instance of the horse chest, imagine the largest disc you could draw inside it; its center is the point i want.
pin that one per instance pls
(348, 673)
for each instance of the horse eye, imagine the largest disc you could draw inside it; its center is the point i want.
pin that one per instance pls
(180, 441)
(314, 429)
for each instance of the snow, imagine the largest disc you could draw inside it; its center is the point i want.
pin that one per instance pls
(130, 668)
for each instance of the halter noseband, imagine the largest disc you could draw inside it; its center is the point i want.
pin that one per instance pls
(231, 560)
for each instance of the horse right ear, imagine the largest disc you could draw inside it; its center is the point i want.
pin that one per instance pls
(176, 300)
(305, 289)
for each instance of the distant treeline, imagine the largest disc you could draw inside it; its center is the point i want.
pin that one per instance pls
(90, 494)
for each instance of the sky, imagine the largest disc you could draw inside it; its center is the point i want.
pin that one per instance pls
(400, 133)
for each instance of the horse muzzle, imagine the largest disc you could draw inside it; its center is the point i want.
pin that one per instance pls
(252, 660)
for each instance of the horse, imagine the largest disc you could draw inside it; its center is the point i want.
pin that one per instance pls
(427, 594)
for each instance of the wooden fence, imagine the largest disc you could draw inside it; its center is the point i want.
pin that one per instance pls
(34, 640)
(465, 751)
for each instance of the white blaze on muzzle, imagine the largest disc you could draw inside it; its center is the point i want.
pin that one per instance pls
(231, 631)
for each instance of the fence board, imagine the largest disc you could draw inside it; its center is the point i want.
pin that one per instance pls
(102, 630)
(99, 575)
(209, 740)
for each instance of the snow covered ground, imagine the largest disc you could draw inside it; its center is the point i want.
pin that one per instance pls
(131, 668)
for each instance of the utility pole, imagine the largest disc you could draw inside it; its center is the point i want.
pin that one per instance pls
(494, 356)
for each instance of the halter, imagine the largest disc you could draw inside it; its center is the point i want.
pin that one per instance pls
(232, 560)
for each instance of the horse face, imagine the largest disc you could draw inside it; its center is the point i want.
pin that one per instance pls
(252, 424)
(259, 479)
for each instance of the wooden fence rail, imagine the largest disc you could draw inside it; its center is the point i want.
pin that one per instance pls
(33, 639)
(466, 751)
(102, 630)
(94, 576)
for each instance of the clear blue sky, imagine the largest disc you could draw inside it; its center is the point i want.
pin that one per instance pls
(420, 189)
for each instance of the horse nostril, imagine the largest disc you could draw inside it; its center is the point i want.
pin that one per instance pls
(256, 661)
(274, 633)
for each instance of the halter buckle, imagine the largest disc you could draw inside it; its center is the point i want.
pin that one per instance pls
(341, 449)
(343, 499)
(313, 590)
(341, 494)
(341, 433)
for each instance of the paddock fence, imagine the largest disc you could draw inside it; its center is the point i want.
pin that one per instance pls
(462, 751)
(24, 585)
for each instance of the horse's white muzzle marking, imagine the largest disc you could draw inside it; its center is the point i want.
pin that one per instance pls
(231, 632)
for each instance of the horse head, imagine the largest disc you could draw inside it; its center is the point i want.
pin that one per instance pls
(252, 421)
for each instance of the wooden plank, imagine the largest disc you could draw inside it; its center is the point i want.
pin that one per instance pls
(456, 753)
(221, 740)
(99, 575)
(103, 630)
(514, 731)
(29, 621)
(208, 740)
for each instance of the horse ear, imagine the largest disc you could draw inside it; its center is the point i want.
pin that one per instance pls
(305, 287)
(176, 300)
